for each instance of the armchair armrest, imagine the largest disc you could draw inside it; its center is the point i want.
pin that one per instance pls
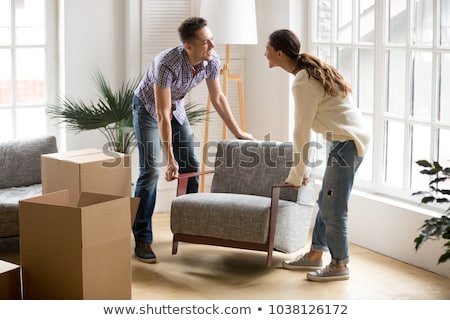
(274, 213)
(274, 199)
(183, 180)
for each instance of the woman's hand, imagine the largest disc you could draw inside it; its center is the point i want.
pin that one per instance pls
(306, 180)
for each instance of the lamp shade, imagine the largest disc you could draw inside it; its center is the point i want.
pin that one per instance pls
(231, 21)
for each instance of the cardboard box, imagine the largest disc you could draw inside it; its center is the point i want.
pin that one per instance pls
(10, 284)
(86, 170)
(76, 252)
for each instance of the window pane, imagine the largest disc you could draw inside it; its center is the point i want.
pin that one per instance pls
(423, 23)
(444, 112)
(395, 144)
(30, 22)
(422, 85)
(421, 137)
(367, 20)
(323, 32)
(396, 82)
(345, 63)
(365, 79)
(445, 23)
(444, 153)
(324, 53)
(344, 20)
(6, 125)
(31, 122)
(5, 77)
(30, 67)
(5, 22)
(398, 19)
(444, 150)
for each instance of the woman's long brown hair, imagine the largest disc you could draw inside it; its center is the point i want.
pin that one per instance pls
(332, 81)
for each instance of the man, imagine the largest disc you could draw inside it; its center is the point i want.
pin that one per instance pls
(160, 119)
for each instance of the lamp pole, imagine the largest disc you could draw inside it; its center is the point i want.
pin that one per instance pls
(232, 22)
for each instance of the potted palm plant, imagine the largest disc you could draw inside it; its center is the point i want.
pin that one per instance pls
(435, 228)
(111, 113)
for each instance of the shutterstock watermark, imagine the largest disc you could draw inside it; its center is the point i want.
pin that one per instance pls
(274, 153)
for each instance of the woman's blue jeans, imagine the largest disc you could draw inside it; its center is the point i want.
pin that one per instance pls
(151, 161)
(331, 226)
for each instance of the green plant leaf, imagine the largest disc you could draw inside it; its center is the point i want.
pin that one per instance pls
(438, 180)
(430, 171)
(428, 199)
(437, 165)
(424, 163)
(446, 256)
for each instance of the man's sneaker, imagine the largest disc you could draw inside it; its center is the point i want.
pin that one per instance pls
(302, 263)
(144, 252)
(329, 273)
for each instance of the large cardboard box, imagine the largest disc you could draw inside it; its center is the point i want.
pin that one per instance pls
(76, 252)
(88, 170)
(10, 284)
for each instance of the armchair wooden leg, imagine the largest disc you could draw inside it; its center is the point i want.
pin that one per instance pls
(174, 245)
(269, 259)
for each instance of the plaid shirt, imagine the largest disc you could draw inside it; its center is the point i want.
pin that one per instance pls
(171, 69)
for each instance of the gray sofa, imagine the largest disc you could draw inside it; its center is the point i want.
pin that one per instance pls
(20, 177)
(249, 206)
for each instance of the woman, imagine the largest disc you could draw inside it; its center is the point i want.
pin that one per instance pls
(323, 103)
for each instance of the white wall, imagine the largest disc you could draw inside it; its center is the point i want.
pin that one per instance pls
(267, 90)
(91, 37)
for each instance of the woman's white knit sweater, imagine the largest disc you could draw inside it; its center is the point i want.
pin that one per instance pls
(336, 118)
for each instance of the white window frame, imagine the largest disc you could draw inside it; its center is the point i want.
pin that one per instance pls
(50, 77)
(376, 183)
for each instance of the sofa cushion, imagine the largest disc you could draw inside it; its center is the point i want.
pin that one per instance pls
(252, 167)
(20, 160)
(9, 207)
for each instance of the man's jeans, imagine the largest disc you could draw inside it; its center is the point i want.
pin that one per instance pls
(330, 229)
(151, 162)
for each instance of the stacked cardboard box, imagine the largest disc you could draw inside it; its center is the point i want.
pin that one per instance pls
(89, 170)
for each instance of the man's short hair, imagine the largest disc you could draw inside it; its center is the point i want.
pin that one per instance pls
(188, 28)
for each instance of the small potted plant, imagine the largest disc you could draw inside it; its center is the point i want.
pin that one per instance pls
(435, 228)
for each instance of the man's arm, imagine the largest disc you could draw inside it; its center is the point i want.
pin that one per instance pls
(163, 110)
(220, 103)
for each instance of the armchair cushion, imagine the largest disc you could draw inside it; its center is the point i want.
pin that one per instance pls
(243, 217)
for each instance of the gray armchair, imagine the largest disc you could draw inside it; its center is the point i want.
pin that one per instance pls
(249, 206)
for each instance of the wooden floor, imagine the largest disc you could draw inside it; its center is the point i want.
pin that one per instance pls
(207, 272)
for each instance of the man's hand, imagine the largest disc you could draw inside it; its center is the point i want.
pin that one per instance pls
(172, 170)
(245, 136)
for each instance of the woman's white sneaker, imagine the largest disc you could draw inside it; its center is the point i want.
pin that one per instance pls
(329, 273)
(302, 263)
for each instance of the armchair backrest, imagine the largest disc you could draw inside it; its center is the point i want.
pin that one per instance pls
(252, 167)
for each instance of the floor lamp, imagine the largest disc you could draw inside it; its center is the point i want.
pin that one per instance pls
(231, 22)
